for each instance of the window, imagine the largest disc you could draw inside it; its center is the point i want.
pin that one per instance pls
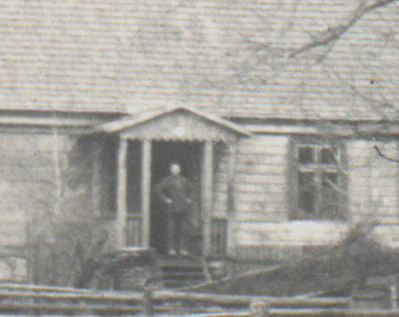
(318, 181)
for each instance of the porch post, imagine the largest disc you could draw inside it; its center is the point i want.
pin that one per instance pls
(230, 240)
(206, 193)
(146, 192)
(121, 193)
(232, 152)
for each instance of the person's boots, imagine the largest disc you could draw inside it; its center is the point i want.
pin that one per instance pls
(172, 252)
(184, 252)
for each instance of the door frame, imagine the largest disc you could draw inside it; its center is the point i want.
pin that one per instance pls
(189, 155)
(207, 155)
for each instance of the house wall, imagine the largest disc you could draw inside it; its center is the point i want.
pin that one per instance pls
(31, 165)
(90, 177)
(42, 174)
(259, 225)
(28, 190)
(48, 177)
(374, 187)
(263, 229)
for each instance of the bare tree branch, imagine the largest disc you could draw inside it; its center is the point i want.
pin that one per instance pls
(333, 34)
(384, 156)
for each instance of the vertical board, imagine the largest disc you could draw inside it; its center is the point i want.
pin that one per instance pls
(121, 192)
(207, 190)
(146, 192)
(133, 231)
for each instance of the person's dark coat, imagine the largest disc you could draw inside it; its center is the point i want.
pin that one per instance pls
(174, 193)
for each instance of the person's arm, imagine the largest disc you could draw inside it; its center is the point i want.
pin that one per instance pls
(160, 191)
(189, 189)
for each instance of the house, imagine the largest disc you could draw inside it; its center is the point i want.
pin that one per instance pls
(101, 96)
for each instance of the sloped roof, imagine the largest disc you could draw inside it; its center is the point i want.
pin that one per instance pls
(123, 55)
(153, 113)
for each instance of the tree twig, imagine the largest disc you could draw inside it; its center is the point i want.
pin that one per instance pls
(334, 33)
(384, 156)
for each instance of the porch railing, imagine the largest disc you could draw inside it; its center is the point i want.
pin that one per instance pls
(218, 233)
(219, 236)
(133, 231)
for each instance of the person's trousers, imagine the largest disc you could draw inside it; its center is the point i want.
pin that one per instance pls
(176, 230)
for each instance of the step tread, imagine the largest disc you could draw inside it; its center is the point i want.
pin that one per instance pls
(184, 274)
(181, 271)
(181, 278)
(173, 269)
(179, 264)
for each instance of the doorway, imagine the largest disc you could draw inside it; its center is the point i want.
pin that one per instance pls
(188, 155)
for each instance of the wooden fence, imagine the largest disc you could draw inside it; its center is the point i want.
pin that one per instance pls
(45, 300)
(303, 313)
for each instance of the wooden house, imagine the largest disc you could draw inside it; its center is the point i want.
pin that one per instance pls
(102, 96)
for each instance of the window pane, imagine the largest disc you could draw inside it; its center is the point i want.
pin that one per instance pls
(329, 156)
(306, 155)
(306, 193)
(329, 196)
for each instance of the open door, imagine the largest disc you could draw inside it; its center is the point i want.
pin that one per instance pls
(188, 155)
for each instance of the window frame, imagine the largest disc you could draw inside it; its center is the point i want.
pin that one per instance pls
(338, 167)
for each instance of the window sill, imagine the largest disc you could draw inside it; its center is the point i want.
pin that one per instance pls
(319, 221)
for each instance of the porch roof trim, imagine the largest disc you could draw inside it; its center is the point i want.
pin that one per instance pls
(146, 116)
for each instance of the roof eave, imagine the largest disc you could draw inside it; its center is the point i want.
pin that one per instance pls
(134, 120)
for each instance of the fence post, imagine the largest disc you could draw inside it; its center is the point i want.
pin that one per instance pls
(393, 288)
(148, 309)
(260, 309)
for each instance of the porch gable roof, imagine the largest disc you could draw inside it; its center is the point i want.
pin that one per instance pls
(173, 122)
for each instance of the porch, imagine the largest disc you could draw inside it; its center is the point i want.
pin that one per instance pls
(147, 144)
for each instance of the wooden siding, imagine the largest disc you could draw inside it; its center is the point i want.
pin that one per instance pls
(258, 223)
(291, 233)
(388, 234)
(278, 241)
(373, 187)
(259, 189)
(260, 180)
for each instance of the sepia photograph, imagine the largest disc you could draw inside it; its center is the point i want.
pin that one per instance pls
(214, 158)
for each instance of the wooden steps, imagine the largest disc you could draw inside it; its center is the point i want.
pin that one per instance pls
(180, 271)
(139, 269)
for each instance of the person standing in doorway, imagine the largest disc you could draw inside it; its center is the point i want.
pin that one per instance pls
(175, 195)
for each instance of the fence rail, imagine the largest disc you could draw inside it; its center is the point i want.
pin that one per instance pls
(41, 300)
(305, 313)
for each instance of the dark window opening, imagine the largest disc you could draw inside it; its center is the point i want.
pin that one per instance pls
(330, 195)
(328, 155)
(306, 155)
(306, 198)
(319, 182)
